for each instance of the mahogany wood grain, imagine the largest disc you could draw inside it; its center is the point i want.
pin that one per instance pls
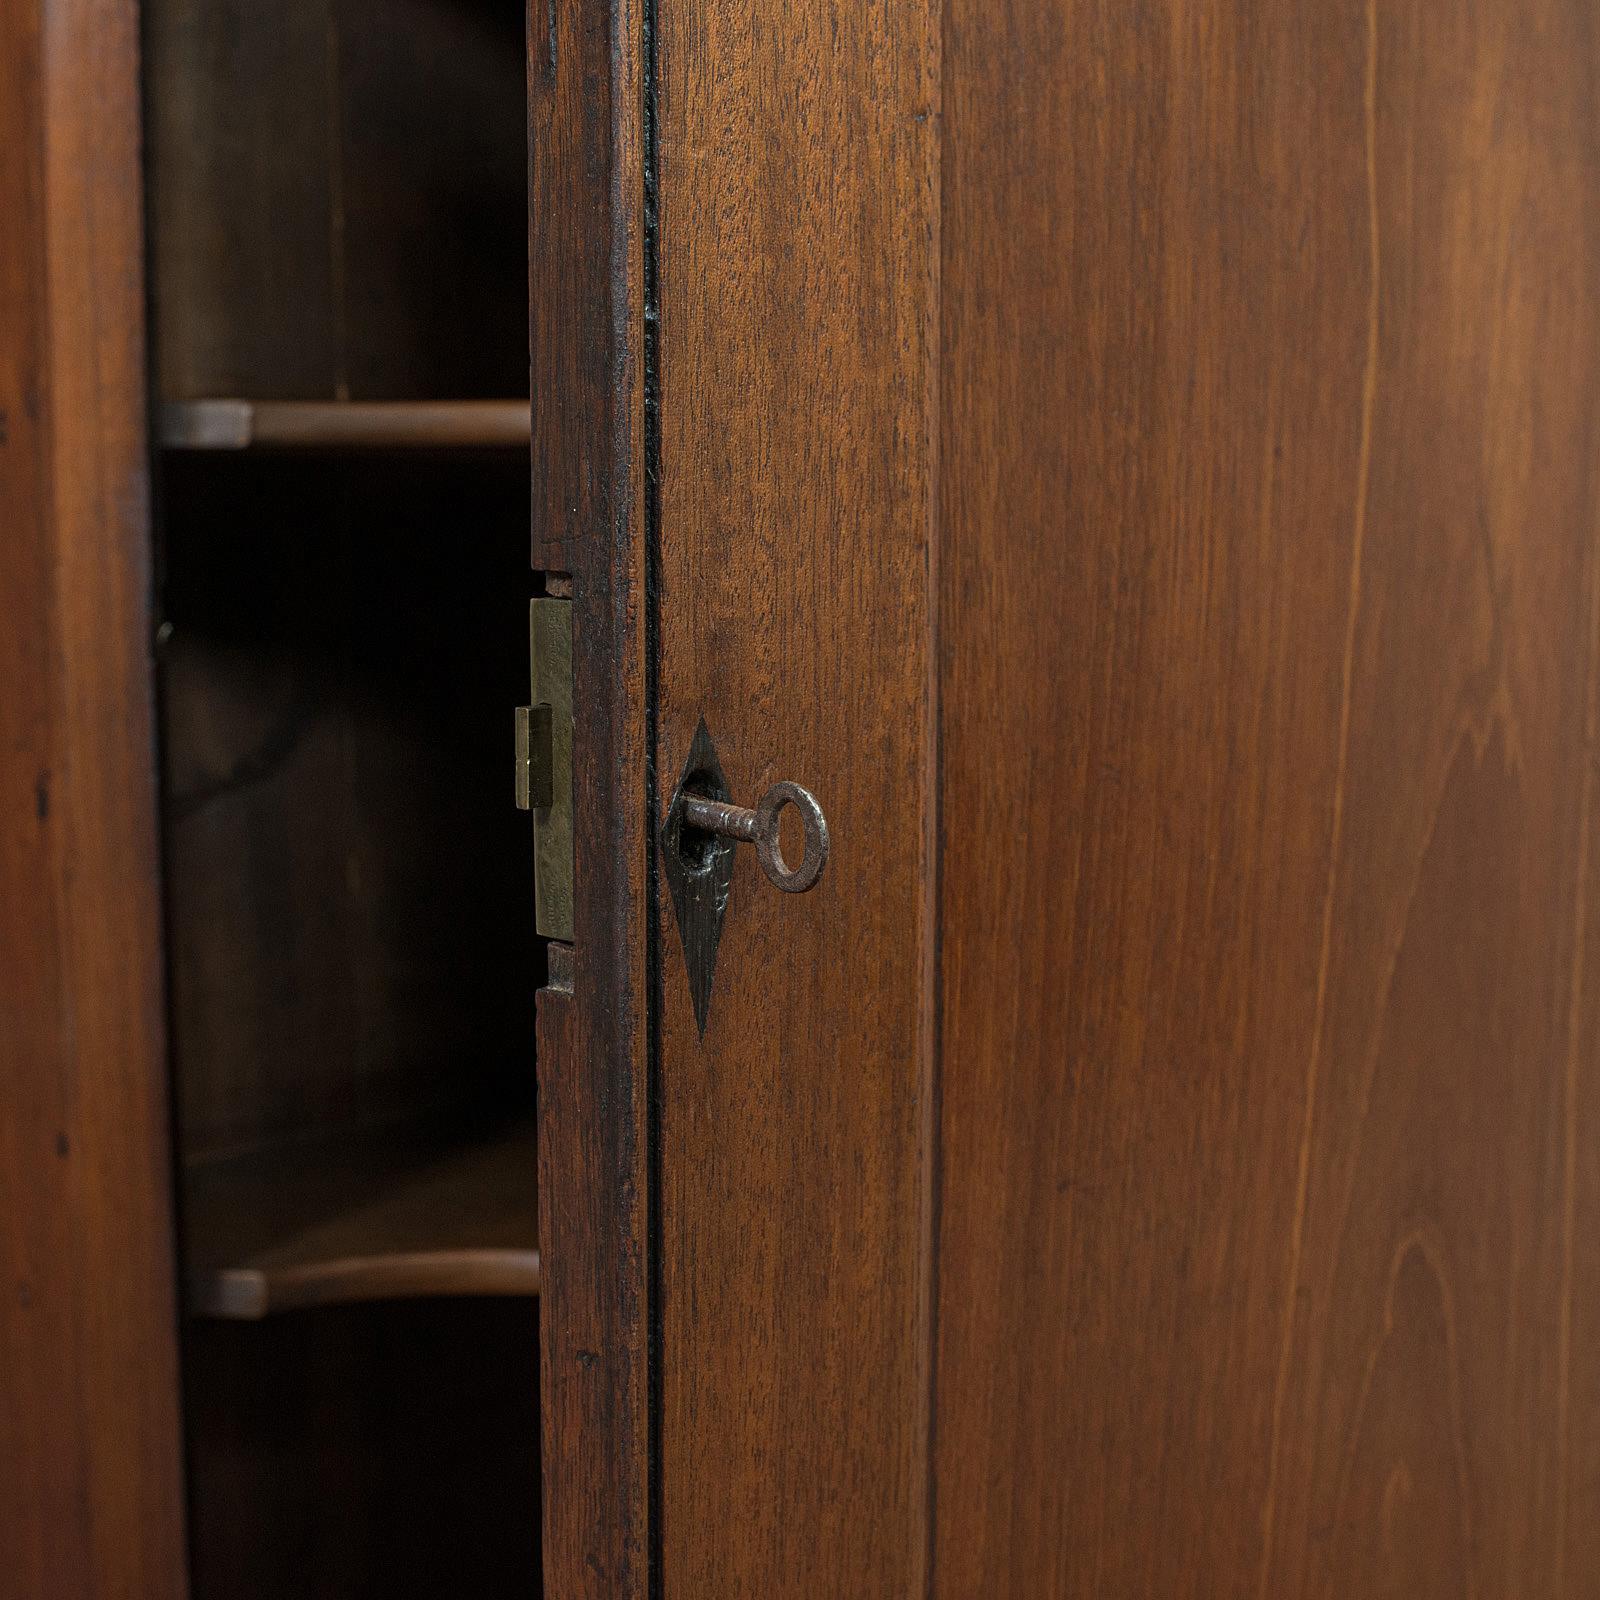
(91, 1500)
(797, 263)
(1270, 398)
(1577, 1556)
(1423, 1410)
(585, 212)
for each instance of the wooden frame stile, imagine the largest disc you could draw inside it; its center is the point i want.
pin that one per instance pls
(590, 521)
(800, 188)
(90, 1452)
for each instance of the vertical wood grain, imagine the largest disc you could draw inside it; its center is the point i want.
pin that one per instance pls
(797, 269)
(1423, 1398)
(1270, 399)
(89, 1432)
(585, 267)
(1577, 1555)
(586, 200)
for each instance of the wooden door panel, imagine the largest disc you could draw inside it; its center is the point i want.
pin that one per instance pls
(1423, 1412)
(796, 176)
(1144, 619)
(1267, 686)
(1134, 465)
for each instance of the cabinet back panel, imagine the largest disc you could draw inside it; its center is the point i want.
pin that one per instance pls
(367, 1452)
(338, 198)
(348, 880)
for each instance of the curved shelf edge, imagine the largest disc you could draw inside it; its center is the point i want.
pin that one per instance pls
(247, 1294)
(345, 424)
(390, 1213)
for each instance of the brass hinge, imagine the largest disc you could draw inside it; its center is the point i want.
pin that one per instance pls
(544, 764)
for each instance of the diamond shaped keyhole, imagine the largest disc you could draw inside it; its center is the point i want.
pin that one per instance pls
(699, 871)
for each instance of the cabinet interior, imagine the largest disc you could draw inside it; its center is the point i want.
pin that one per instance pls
(337, 242)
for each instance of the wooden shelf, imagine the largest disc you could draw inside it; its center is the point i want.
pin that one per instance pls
(345, 425)
(378, 1217)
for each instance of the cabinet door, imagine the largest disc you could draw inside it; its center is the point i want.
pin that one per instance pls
(90, 1493)
(1134, 466)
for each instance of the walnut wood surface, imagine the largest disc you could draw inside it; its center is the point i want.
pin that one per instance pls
(91, 1498)
(586, 323)
(797, 176)
(1270, 397)
(385, 1214)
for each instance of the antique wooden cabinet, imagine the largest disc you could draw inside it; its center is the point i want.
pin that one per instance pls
(1105, 498)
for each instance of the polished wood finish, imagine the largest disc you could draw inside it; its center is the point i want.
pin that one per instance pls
(344, 425)
(1577, 1555)
(90, 1495)
(383, 1214)
(1423, 1405)
(797, 261)
(1270, 394)
(336, 198)
(585, 212)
